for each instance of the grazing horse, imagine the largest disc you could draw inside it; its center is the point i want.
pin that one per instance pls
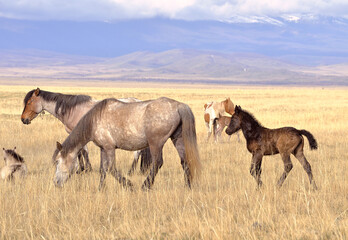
(69, 109)
(14, 163)
(213, 110)
(264, 141)
(112, 124)
(221, 123)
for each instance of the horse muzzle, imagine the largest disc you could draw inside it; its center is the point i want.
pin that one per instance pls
(25, 121)
(228, 131)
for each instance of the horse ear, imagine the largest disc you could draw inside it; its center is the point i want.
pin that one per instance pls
(236, 109)
(59, 146)
(37, 92)
(205, 106)
(14, 148)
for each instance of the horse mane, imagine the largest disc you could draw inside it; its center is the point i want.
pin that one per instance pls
(15, 155)
(248, 117)
(82, 133)
(64, 102)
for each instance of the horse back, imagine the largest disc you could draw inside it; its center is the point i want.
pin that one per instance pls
(129, 125)
(279, 140)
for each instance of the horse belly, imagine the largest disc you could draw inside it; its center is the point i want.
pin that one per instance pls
(270, 148)
(131, 142)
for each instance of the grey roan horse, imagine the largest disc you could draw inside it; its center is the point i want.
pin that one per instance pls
(264, 141)
(112, 124)
(69, 109)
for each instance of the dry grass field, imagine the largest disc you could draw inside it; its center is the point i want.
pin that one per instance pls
(223, 202)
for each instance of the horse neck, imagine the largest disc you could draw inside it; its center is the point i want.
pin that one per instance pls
(71, 119)
(72, 146)
(79, 137)
(50, 107)
(250, 127)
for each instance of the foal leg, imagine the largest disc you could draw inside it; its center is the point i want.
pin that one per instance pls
(287, 168)
(255, 168)
(307, 167)
(88, 165)
(157, 162)
(135, 162)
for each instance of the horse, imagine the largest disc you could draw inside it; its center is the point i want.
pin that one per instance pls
(112, 124)
(69, 109)
(220, 124)
(213, 110)
(14, 163)
(264, 141)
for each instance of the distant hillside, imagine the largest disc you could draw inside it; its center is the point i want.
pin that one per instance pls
(178, 65)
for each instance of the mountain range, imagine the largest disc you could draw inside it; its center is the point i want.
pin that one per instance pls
(176, 65)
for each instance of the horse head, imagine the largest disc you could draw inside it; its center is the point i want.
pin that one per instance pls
(32, 106)
(229, 106)
(236, 121)
(64, 165)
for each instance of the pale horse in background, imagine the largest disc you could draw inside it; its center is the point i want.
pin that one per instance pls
(215, 110)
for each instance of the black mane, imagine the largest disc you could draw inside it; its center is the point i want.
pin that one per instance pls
(64, 102)
(14, 155)
(248, 117)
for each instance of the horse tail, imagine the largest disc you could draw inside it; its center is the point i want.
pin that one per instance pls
(214, 126)
(312, 142)
(190, 140)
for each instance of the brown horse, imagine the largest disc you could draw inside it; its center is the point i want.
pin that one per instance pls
(14, 163)
(264, 141)
(112, 124)
(213, 110)
(69, 109)
(221, 123)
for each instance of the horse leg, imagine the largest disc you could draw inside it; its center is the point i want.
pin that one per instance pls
(307, 167)
(180, 147)
(111, 162)
(209, 129)
(215, 126)
(135, 162)
(255, 168)
(88, 165)
(103, 167)
(157, 162)
(146, 160)
(218, 131)
(81, 165)
(237, 136)
(287, 168)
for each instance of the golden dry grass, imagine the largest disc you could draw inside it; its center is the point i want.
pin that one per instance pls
(223, 203)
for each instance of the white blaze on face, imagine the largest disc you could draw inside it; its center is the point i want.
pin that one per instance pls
(62, 171)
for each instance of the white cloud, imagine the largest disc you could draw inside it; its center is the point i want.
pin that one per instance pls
(225, 10)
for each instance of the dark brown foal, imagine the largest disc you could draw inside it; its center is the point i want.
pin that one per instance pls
(264, 141)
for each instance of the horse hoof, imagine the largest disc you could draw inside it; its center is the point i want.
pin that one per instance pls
(145, 188)
(128, 185)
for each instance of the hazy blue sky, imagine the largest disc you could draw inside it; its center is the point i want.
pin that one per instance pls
(220, 10)
(110, 28)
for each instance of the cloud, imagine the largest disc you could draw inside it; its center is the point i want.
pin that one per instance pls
(222, 10)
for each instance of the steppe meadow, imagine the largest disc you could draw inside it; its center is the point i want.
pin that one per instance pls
(223, 203)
